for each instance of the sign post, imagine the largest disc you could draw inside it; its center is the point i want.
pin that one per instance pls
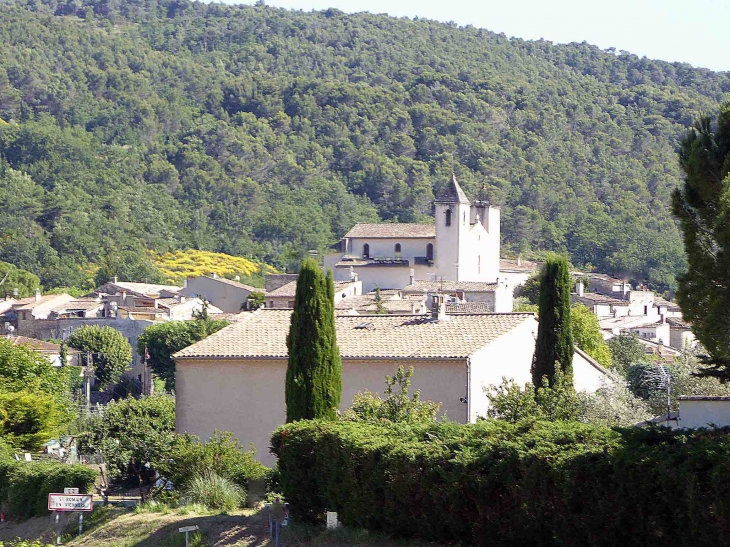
(187, 530)
(70, 500)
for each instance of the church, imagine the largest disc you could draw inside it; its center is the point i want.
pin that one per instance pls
(461, 246)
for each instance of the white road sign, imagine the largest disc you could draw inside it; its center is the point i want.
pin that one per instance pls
(189, 528)
(70, 502)
(70, 490)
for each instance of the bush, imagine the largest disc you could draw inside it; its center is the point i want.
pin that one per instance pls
(396, 407)
(28, 419)
(221, 455)
(215, 492)
(25, 486)
(497, 483)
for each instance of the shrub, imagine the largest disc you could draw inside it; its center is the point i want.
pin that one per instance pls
(396, 407)
(25, 485)
(496, 483)
(215, 492)
(222, 455)
(111, 353)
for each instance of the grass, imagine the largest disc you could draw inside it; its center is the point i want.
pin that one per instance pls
(157, 525)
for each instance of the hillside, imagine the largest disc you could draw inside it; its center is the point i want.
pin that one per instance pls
(254, 131)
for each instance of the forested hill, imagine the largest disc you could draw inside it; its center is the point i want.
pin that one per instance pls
(168, 124)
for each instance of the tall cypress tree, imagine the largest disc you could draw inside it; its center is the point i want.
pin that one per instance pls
(314, 371)
(554, 346)
(702, 206)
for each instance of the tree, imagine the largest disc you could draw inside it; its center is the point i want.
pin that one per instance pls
(255, 300)
(398, 406)
(30, 418)
(557, 402)
(111, 354)
(135, 436)
(25, 369)
(379, 308)
(587, 334)
(702, 206)
(12, 278)
(158, 343)
(626, 350)
(314, 369)
(554, 346)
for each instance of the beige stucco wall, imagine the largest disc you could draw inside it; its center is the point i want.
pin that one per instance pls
(228, 298)
(247, 397)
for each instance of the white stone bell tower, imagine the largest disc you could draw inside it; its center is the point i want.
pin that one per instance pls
(453, 218)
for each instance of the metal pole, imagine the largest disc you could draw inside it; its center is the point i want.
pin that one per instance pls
(81, 523)
(278, 534)
(186, 538)
(87, 381)
(58, 527)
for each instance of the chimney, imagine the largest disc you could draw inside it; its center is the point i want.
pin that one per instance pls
(579, 290)
(413, 308)
(413, 276)
(438, 308)
(15, 292)
(37, 295)
(115, 279)
(519, 260)
(182, 299)
(215, 275)
(124, 298)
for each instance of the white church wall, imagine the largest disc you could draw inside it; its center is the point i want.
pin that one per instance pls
(385, 248)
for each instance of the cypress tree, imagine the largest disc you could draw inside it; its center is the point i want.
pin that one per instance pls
(554, 346)
(314, 371)
(702, 206)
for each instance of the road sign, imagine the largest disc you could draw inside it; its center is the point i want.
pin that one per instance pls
(189, 528)
(70, 490)
(70, 502)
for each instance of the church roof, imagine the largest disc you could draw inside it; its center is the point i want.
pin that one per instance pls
(263, 335)
(453, 193)
(399, 230)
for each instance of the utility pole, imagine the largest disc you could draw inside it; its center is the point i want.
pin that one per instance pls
(87, 381)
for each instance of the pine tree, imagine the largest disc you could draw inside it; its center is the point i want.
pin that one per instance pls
(314, 371)
(702, 206)
(554, 346)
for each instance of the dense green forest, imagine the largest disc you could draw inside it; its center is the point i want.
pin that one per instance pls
(167, 124)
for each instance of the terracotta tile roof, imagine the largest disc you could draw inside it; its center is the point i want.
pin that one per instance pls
(388, 230)
(524, 265)
(467, 307)
(80, 305)
(144, 289)
(143, 309)
(38, 345)
(263, 335)
(449, 286)
(596, 298)
(30, 303)
(290, 289)
(678, 322)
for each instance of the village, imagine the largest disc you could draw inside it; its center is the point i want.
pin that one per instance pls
(289, 273)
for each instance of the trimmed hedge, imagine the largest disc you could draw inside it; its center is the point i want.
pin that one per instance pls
(24, 486)
(495, 483)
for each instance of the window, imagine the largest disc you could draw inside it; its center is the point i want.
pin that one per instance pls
(429, 251)
(397, 249)
(448, 217)
(464, 218)
(366, 251)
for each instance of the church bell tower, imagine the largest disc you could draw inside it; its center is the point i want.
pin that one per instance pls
(453, 216)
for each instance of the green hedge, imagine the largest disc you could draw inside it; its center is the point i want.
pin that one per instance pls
(24, 486)
(495, 483)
